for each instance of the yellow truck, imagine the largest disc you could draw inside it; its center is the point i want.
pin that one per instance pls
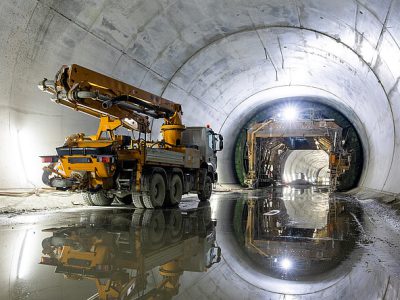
(108, 166)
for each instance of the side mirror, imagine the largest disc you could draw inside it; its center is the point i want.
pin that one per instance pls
(218, 142)
(220, 145)
(221, 142)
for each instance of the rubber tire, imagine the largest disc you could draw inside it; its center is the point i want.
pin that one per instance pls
(137, 217)
(87, 199)
(124, 200)
(174, 222)
(97, 199)
(205, 194)
(156, 196)
(137, 200)
(174, 194)
(153, 229)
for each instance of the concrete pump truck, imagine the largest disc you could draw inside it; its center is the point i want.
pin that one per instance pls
(108, 166)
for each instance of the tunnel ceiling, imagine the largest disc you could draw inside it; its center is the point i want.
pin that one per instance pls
(221, 59)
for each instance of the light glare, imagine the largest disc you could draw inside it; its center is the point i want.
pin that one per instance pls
(289, 113)
(286, 264)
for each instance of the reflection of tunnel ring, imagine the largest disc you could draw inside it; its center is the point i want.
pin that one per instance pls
(272, 212)
(239, 262)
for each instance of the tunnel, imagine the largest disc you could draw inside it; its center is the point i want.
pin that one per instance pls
(229, 64)
(343, 53)
(301, 157)
(301, 163)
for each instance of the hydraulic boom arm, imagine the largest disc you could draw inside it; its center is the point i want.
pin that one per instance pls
(98, 95)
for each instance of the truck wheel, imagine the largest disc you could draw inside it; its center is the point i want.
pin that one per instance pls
(205, 194)
(97, 199)
(137, 217)
(156, 196)
(87, 199)
(153, 228)
(174, 225)
(174, 194)
(137, 200)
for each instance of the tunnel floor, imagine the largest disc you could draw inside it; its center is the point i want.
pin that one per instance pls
(301, 243)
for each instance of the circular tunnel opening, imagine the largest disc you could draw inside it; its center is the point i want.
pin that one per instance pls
(287, 152)
(305, 166)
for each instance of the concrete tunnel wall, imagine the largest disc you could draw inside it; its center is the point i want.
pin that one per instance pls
(223, 60)
(313, 164)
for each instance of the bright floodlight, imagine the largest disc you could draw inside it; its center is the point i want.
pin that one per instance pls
(290, 113)
(286, 264)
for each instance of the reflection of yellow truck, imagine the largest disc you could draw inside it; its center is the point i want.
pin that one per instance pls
(118, 251)
(108, 166)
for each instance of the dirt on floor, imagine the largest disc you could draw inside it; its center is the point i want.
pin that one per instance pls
(22, 201)
(14, 202)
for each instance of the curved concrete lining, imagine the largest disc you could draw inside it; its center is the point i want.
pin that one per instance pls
(212, 56)
(255, 103)
(313, 164)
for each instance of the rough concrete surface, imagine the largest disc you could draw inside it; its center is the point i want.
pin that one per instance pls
(344, 53)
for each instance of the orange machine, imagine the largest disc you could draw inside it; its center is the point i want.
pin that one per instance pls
(107, 165)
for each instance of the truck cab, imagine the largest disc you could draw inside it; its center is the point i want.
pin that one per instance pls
(208, 143)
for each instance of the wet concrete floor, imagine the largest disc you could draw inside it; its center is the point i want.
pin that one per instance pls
(278, 243)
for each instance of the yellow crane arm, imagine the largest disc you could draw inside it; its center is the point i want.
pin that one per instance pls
(98, 95)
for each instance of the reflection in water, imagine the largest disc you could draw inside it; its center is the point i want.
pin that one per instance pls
(298, 233)
(277, 243)
(118, 250)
